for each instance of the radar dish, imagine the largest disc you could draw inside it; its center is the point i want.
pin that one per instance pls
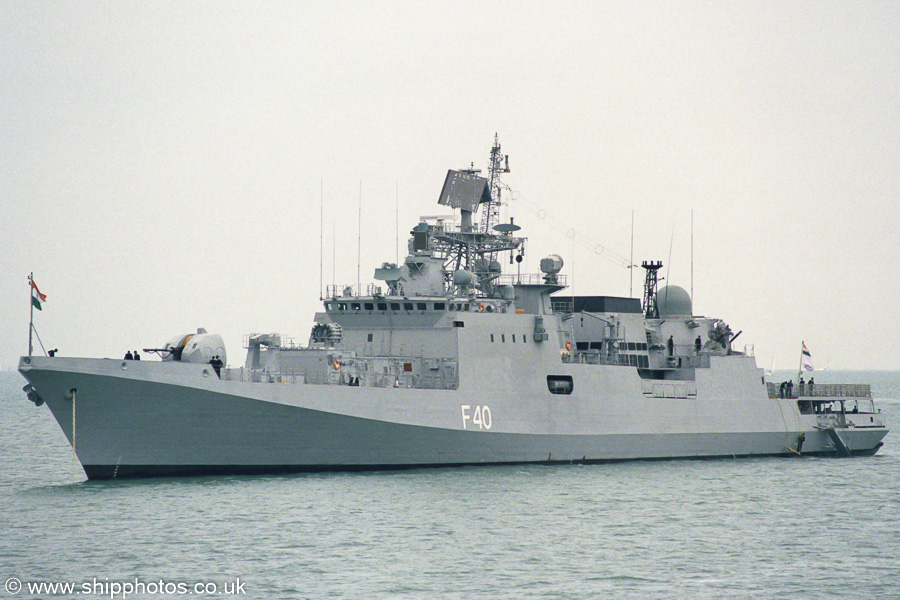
(507, 227)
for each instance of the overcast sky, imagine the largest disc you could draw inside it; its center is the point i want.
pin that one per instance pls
(162, 163)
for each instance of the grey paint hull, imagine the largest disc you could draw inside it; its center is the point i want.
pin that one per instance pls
(156, 419)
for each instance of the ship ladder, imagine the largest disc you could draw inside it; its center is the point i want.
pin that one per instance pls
(839, 444)
(74, 452)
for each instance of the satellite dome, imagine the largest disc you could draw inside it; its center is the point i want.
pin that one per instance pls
(673, 300)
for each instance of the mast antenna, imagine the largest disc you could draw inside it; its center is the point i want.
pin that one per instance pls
(359, 243)
(631, 264)
(692, 256)
(397, 221)
(321, 235)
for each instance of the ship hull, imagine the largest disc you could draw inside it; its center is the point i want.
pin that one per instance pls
(157, 419)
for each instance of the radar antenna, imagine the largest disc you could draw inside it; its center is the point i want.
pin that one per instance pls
(472, 247)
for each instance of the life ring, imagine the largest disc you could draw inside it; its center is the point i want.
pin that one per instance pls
(568, 345)
(481, 308)
(337, 365)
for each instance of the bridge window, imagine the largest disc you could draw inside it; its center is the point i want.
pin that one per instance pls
(421, 306)
(439, 306)
(407, 306)
(354, 306)
(382, 306)
(369, 306)
(492, 338)
(395, 306)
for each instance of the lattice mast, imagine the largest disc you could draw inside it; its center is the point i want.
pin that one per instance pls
(490, 211)
(651, 309)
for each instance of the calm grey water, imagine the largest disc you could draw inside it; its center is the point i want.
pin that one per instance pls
(747, 528)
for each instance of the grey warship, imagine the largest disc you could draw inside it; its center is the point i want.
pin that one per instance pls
(445, 360)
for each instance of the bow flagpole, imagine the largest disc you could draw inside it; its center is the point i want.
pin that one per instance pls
(37, 300)
(31, 314)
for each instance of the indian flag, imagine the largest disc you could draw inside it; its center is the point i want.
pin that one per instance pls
(806, 359)
(37, 298)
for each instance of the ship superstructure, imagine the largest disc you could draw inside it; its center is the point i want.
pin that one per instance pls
(446, 360)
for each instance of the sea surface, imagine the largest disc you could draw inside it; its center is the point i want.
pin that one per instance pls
(746, 528)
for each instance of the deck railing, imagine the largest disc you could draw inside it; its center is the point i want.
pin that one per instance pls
(823, 390)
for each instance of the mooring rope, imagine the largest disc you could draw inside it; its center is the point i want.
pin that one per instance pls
(787, 432)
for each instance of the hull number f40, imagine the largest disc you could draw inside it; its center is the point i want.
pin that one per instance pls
(477, 416)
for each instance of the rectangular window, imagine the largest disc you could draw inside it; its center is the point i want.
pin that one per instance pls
(382, 306)
(354, 306)
(369, 306)
(395, 306)
(370, 337)
(421, 306)
(342, 306)
(439, 306)
(458, 324)
(329, 306)
(492, 338)
(524, 338)
(514, 338)
(407, 306)
(407, 367)
(503, 337)
(560, 384)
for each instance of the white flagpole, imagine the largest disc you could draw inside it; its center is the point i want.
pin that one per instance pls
(31, 314)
